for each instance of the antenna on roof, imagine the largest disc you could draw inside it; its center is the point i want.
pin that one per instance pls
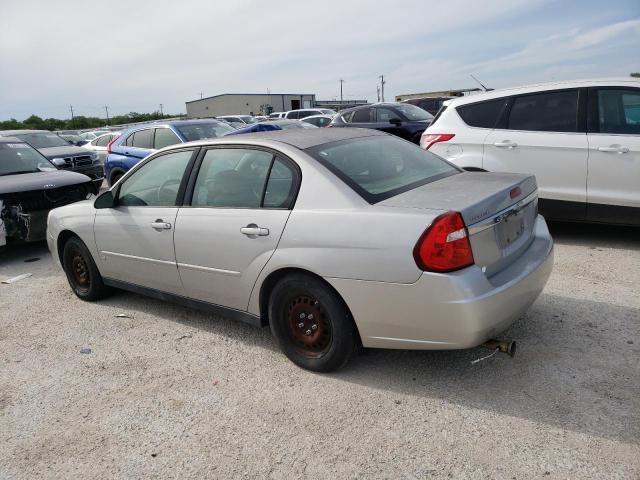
(480, 83)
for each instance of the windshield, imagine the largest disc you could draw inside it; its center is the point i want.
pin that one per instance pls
(382, 166)
(328, 111)
(198, 131)
(414, 113)
(296, 124)
(43, 140)
(248, 119)
(21, 158)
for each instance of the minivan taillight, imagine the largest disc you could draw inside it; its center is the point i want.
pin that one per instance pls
(444, 246)
(428, 139)
(110, 143)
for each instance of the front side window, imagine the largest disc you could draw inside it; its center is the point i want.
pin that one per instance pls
(382, 166)
(361, 116)
(413, 113)
(619, 111)
(143, 139)
(545, 112)
(481, 114)
(165, 137)
(232, 178)
(384, 115)
(156, 183)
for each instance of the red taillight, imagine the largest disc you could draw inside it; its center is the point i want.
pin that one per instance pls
(515, 192)
(428, 139)
(444, 246)
(109, 145)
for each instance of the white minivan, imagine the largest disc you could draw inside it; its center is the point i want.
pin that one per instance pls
(581, 139)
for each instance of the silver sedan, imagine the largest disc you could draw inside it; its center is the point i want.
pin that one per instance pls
(335, 238)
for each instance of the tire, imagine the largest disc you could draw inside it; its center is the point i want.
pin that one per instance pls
(83, 275)
(312, 324)
(115, 176)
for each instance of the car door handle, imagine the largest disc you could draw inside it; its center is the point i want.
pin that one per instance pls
(253, 230)
(506, 144)
(614, 149)
(160, 224)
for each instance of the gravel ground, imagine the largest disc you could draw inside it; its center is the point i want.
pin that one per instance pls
(174, 393)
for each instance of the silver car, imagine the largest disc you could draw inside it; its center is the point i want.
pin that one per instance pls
(335, 238)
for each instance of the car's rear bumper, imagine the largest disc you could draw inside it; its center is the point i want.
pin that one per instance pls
(449, 311)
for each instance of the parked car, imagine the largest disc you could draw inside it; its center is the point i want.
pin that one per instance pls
(246, 119)
(429, 104)
(307, 112)
(334, 238)
(319, 120)
(100, 144)
(272, 125)
(61, 154)
(136, 143)
(30, 186)
(235, 125)
(581, 139)
(89, 136)
(405, 121)
(276, 115)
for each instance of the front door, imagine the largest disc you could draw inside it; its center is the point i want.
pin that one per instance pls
(135, 238)
(239, 207)
(613, 185)
(542, 136)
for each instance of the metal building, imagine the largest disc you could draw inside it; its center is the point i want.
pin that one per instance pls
(248, 104)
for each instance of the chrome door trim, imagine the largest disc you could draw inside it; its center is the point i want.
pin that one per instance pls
(233, 273)
(134, 257)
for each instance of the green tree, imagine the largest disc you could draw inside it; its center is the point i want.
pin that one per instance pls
(635, 74)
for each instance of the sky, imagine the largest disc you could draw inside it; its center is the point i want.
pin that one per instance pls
(134, 55)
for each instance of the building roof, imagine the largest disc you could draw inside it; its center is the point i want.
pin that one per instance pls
(253, 95)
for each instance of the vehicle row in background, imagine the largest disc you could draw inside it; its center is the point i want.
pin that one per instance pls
(581, 139)
(61, 153)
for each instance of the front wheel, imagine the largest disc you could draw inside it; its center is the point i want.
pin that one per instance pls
(83, 275)
(312, 324)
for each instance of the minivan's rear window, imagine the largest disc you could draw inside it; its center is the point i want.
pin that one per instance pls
(380, 167)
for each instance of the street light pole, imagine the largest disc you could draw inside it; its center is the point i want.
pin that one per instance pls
(341, 82)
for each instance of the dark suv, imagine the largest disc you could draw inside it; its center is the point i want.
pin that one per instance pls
(401, 119)
(430, 104)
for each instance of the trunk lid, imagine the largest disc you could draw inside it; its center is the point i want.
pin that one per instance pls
(499, 210)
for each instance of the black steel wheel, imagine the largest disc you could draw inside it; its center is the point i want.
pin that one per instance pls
(83, 275)
(312, 323)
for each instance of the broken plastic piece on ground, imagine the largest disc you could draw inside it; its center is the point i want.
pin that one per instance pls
(15, 279)
(33, 259)
(478, 360)
(85, 350)
(122, 315)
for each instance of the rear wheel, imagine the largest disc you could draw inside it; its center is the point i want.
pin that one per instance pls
(312, 324)
(83, 275)
(115, 176)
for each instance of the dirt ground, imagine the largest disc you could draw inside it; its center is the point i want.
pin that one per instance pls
(173, 393)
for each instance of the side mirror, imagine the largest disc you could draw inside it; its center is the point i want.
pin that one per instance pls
(395, 121)
(105, 200)
(58, 162)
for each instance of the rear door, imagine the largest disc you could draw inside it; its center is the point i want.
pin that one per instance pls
(613, 184)
(389, 121)
(544, 133)
(240, 202)
(139, 144)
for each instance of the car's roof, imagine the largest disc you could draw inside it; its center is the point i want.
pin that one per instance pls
(558, 85)
(8, 133)
(11, 140)
(300, 138)
(320, 115)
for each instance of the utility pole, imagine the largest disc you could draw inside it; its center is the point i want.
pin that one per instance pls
(382, 82)
(161, 114)
(200, 95)
(106, 109)
(341, 82)
(378, 90)
(71, 108)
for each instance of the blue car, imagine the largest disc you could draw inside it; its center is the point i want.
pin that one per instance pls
(137, 142)
(272, 125)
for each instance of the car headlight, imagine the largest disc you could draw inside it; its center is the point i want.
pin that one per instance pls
(93, 155)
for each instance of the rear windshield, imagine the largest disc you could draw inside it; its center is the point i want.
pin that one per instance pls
(43, 140)
(381, 167)
(198, 131)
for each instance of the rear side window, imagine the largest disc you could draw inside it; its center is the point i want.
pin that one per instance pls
(142, 138)
(165, 137)
(545, 112)
(102, 141)
(481, 114)
(382, 166)
(129, 141)
(293, 115)
(361, 116)
(619, 111)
